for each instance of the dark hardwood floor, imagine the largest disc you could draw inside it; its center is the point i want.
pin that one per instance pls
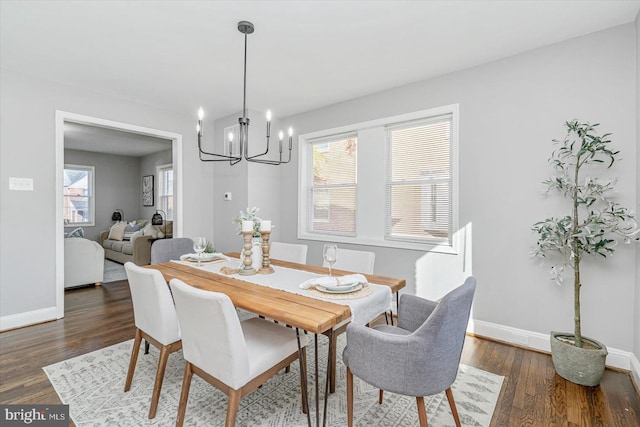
(532, 394)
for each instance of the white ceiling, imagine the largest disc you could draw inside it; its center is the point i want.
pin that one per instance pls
(303, 55)
(110, 141)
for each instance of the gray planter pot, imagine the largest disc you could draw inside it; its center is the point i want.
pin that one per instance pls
(582, 366)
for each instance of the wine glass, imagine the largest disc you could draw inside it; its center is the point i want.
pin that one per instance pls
(199, 245)
(330, 254)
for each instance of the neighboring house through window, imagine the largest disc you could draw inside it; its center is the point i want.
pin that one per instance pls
(389, 182)
(79, 201)
(165, 190)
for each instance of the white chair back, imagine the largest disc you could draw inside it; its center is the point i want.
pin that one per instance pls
(288, 252)
(153, 308)
(212, 338)
(355, 261)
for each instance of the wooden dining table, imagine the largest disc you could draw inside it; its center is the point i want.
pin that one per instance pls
(298, 311)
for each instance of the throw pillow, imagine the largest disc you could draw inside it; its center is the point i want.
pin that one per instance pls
(78, 232)
(132, 227)
(150, 230)
(117, 231)
(146, 231)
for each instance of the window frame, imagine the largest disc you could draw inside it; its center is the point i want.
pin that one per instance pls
(375, 235)
(159, 196)
(91, 202)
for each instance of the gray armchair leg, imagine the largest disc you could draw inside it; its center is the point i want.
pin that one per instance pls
(454, 410)
(422, 412)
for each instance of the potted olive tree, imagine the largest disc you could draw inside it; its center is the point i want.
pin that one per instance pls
(593, 226)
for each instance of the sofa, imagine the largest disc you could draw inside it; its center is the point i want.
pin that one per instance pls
(83, 262)
(135, 246)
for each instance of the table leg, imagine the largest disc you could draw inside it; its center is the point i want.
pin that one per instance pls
(146, 347)
(331, 374)
(315, 336)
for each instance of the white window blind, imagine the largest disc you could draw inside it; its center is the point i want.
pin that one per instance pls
(389, 182)
(419, 181)
(332, 193)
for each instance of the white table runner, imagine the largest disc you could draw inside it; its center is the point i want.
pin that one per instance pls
(363, 310)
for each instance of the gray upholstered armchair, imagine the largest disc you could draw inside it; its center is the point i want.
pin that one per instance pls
(420, 356)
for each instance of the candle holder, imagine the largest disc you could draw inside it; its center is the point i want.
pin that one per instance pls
(266, 246)
(246, 269)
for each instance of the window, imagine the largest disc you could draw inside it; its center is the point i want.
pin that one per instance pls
(165, 190)
(332, 189)
(419, 181)
(79, 203)
(389, 182)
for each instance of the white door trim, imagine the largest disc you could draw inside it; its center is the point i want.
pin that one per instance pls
(63, 116)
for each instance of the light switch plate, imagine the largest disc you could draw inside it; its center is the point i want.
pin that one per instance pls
(20, 184)
(227, 195)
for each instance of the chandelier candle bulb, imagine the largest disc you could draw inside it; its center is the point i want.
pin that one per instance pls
(268, 124)
(247, 226)
(290, 138)
(265, 225)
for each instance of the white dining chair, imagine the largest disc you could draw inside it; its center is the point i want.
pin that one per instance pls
(355, 261)
(156, 321)
(235, 357)
(291, 252)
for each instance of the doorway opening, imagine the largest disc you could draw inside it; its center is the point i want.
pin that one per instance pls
(81, 123)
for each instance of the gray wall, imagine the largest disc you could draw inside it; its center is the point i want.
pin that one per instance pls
(27, 149)
(116, 187)
(148, 166)
(510, 110)
(251, 184)
(637, 299)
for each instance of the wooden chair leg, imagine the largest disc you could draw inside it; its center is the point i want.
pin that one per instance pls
(349, 398)
(380, 396)
(422, 412)
(133, 360)
(232, 407)
(303, 379)
(184, 394)
(452, 404)
(332, 378)
(157, 386)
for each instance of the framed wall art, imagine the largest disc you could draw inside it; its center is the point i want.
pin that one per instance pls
(147, 190)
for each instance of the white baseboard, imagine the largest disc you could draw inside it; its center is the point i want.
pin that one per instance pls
(617, 358)
(28, 318)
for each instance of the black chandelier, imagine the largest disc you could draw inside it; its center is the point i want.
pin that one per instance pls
(245, 28)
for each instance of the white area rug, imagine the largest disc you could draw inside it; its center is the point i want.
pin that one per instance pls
(92, 384)
(113, 271)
